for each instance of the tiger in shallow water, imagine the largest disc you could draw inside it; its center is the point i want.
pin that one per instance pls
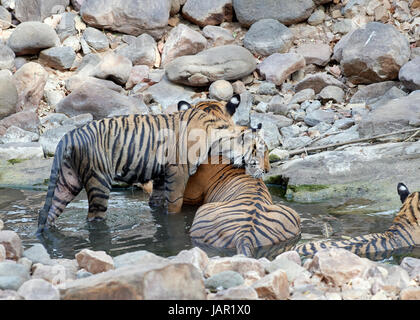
(404, 233)
(131, 149)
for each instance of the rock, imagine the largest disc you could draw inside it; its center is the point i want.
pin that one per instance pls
(371, 93)
(137, 75)
(336, 94)
(267, 88)
(142, 51)
(228, 62)
(12, 275)
(38, 254)
(217, 36)
(396, 280)
(346, 135)
(223, 280)
(291, 268)
(38, 10)
(30, 82)
(7, 57)
(302, 96)
(5, 18)
(338, 266)
(8, 94)
(374, 53)
(268, 36)
(79, 120)
(67, 26)
(343, 124)
(16, 134)
(317, 116)
(2, 252)
(94, 261)
(82, 273)
(131, 17)
(203, 12)
(9, 295)
(55, 274)
(287, 12)
(410, 293)
(240, 264)
(12, 243)
(182, 41)
(114, 67)
(343, 26)
(53, 120)
(96, 39)
(270, 125)
(152, 281)
(221, 90)
(317, 82)
(195, 256)
(296, 142)
(395, 115)
(60, 58)
(77, 81)
(168, 94)
(1, 224)
(26, 120)
(50, 138)
(273, 286)
(316, 18)
(31, 37)
(315, 53)
(77, 4)
(21, 151)
(38, 289)
(412, 266)
(278, 155)
(409, 74)
(137, 258)
(236, 293)
(72, 42)
(242, 113)
(278, 67)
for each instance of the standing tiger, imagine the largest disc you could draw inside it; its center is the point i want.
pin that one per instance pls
(133, 148)
(404, 233)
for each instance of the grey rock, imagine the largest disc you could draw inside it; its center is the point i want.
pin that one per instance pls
(38, 289)
(137, 258)
(279, 66)
(278, 106)
(347, 135)
(316, 18)
(66, 27)
(373, 92)
(344, 123)
(31, 37)
(50, 138)
(38, 254)
(100, 101)
(296, 143)
(310, 106)
(336, 94)
(5, 18)
(16, 134)
(242, 114)
(374, 53)
(82, 273)
(60, 58)
(141, 51)
(228, 62)
(12, 275)
(317, 116)
(317, 82)
(315, 53)
(79, 120)
(7, 57)
(77, 4)
(203, 12)
(128, 16)
(38, 10)
(270, 128)
(114, 67)
(267, 88)
(223, 280)
(221, 90)
(287, 12)
(393, 93)
(73, 42)
(303, 95)
(217, 36)
(8, 94)
(291, 131)
(268, 36)
(26, 120)
(343, 26)
(409, 74)
(96, 39)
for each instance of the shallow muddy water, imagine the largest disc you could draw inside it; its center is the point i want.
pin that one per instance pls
(131, 225)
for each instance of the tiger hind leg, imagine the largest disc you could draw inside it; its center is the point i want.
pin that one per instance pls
(97, 190)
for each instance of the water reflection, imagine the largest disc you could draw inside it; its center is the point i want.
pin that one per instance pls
(131, 225)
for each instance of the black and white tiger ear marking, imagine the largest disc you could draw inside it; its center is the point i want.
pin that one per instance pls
(183, 105)
(402, 191)
(233, 104)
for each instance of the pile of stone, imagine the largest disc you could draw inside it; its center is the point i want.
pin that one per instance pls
(334, 274)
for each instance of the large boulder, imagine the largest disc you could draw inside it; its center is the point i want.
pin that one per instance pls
(60, 58)
(141, 51)
(228, 62)
(182, 40)
(8, 94)
(395, 115)
(31, 37)
(204, 12)
(279, 66)
(268, 36)
(38, 10)
(100, 101)
(409, 74)
(373, 53)
(128, 16)
(286, 11)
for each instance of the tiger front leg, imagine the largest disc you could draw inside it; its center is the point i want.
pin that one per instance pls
(97, 190)
(176, 178)
(157, 198)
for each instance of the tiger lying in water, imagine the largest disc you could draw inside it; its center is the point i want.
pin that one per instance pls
(403, 233)
(129, 149)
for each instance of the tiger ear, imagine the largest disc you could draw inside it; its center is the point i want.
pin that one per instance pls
(183, 105)
(403, 191)
(233, 104)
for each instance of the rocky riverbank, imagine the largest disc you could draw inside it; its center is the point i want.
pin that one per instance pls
(334, 274)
